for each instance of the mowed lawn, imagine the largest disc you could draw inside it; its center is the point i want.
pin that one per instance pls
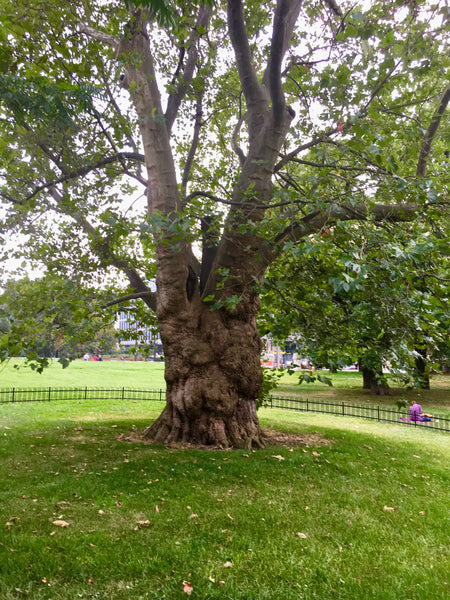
(360, 510)
(117, 373)
(347, 386)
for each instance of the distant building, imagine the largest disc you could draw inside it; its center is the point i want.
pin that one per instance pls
(133, 334)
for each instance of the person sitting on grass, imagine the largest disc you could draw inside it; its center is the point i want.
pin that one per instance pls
(416, 414)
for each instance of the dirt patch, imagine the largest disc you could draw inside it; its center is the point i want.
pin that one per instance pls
(271, 437)
(279, 438)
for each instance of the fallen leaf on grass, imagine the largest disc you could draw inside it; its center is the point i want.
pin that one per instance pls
(388, 508)
(315, 453)
(187, 588)
(301, 535)
(193, 516)
(60, 523)
(228, 564)
(278, 456)
(145, 523)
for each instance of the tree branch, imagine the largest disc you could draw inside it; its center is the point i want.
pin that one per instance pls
(253, 91)
(234, 143)
(100, 36)
(316, 221)
(194, 144)
(174, 101)
(84, 170)
(431, 132)
(130, 297)
(285, 17)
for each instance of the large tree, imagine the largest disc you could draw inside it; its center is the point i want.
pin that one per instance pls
(257, 127)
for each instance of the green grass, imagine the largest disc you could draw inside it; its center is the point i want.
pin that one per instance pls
(81, 373)
(227, 522)
(347, 386)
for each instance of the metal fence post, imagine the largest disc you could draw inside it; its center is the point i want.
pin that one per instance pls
(378, 410)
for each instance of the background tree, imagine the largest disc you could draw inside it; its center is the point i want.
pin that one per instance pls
(51, 317)
(365, 295)
(279, 121)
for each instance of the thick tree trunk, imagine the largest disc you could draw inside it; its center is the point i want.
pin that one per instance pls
(373, 381)
(213, 375)
(422, 368)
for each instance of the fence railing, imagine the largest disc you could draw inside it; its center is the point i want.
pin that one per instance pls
(377, 413)
(48, 394)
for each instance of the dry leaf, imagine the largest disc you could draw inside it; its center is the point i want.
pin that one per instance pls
(143, 523)
(230, 517)
(278, 456)
(187, 588)
(388, 508)
(59, 523)
(193, 516)
(301, 535)
(101, 512)
(228, 564)
(315, 453)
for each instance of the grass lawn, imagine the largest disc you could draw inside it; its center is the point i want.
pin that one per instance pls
(362, 512)
(118, 373)
(347, 386)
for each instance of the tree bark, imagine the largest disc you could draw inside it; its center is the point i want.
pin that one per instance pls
(373, 381)
(422, 368)
(213, 375)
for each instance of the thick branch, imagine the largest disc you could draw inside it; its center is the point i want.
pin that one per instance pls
(315, 222)
(253, 90)
(100, 36)
(163, 192)
(285, 17)
(144, 294)
(175, 99)
(194, 144)
(234, 143)
(105, 252)
(431, 132)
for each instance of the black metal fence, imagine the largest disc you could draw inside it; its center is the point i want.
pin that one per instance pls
(49, 394)
(376, 413)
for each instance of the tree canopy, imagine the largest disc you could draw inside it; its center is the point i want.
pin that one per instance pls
(247, 128)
